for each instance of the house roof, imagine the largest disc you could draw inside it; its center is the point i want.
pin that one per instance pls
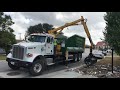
(100, 43)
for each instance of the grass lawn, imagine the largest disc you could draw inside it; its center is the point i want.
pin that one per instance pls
(2, 57)
(108, 60)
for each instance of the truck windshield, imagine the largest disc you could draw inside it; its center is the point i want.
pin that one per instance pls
(36, 38)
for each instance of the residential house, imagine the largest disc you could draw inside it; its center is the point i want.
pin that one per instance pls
(101, 45)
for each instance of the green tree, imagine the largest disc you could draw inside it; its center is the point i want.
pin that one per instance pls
(39, 28)
(112, 30)
(47, 27)
(7, 38)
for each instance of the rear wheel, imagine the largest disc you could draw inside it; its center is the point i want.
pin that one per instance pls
(36, 68)
(79, 56)
(13, 66)
(75, 57)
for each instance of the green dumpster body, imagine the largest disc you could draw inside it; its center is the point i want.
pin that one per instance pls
(75, 44)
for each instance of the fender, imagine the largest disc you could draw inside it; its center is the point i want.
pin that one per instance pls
(31, 59)
(41, 58)
(9, 55)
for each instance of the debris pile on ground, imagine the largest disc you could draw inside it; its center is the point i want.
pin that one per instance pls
(100, 71)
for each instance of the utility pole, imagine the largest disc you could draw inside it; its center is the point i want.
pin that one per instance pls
(112, 59)
(20, 35)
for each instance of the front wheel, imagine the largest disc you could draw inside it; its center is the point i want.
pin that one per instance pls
(36, 68)
(13, 66)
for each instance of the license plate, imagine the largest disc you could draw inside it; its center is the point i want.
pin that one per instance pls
(12, 63)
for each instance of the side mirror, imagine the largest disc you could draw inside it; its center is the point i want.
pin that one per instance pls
(27, 38)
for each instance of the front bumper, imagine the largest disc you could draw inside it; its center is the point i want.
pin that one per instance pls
(19, 63)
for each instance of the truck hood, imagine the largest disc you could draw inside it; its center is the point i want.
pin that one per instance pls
(29, 44)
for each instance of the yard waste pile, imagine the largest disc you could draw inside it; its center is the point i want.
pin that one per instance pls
(100, 71)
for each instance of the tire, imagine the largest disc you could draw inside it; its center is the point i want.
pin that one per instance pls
(75, 58)
(13, 66)
(79, 56)
(37, 68)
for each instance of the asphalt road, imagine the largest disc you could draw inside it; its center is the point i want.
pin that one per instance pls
(6, 72)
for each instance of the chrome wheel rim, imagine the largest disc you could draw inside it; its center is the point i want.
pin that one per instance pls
(37, 67)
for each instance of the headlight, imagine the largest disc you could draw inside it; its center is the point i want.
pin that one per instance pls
(29, 55)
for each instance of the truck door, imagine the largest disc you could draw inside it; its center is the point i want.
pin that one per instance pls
(49, 46)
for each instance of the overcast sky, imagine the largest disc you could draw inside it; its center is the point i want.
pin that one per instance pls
(95, 22)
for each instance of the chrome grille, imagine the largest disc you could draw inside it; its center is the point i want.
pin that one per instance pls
(18, 52)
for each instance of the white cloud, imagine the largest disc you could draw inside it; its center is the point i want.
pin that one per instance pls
(59, 16)
(95, 22)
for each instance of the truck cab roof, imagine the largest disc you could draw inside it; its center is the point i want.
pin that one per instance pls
(43, 34)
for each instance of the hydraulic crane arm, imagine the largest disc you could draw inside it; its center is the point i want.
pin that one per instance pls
(82, 20)
(87, 32)
(59, 29)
